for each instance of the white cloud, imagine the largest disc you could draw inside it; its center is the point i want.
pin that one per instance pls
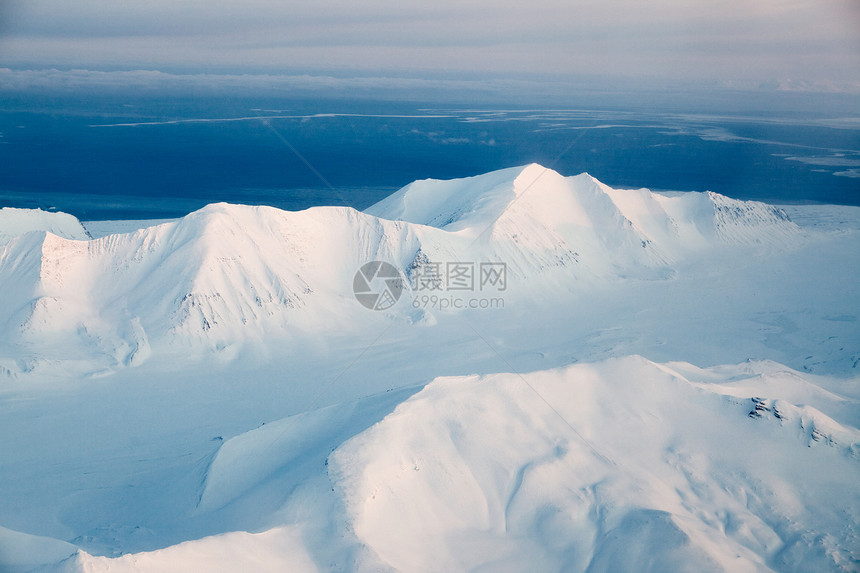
(772, 40)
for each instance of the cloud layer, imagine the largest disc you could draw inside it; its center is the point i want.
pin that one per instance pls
(766, 40)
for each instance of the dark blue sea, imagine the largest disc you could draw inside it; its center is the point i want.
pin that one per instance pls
(119, 156)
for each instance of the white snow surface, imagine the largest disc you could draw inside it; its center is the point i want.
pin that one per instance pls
(15, 222)
(99, 229)
(620, 465)
(669, 383)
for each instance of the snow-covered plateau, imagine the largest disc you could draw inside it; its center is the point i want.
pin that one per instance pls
(557, 376)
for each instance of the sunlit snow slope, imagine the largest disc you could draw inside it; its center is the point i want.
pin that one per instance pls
(623, 465)
(670, 383)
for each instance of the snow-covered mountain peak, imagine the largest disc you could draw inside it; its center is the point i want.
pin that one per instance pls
(456, 204)
(472, 205)
(539, 205)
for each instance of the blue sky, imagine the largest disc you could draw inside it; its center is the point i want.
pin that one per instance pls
(798, 44)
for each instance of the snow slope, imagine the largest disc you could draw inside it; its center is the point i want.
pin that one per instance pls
(99, 229)
(620, 465)
(223, 274)
(616, 466)
(15, 222)
(208, 394)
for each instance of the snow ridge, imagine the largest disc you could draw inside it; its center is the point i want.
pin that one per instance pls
(230, 273)
(581, 218)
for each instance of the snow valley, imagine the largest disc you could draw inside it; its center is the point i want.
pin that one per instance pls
(535, 372)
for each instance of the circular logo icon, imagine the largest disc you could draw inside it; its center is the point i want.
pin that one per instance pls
(377, 285)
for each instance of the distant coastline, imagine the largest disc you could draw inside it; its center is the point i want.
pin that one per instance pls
(158, 157)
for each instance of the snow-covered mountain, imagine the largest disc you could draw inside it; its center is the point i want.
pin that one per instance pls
(230, 273)
(534, 215)
(622, 465)
(222, 274)
(669, 384)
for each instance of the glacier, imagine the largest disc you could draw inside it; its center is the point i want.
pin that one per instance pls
(670, 385)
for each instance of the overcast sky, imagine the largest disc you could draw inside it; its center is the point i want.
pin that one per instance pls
(698, 40)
